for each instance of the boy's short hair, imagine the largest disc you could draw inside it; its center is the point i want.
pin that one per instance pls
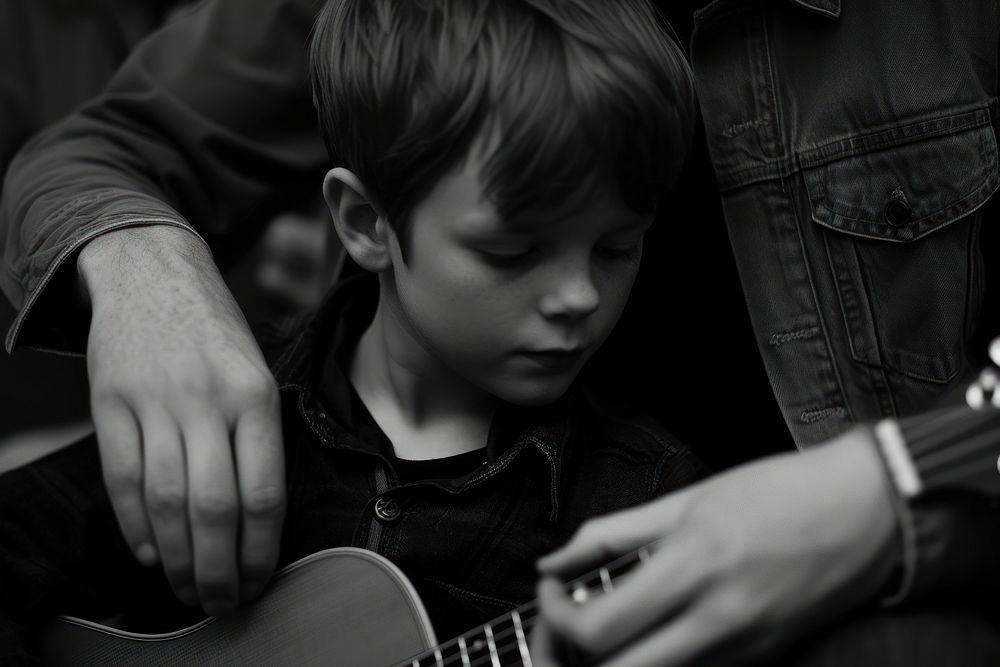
(567, 97)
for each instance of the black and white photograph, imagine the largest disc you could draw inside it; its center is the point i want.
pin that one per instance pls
(488, 333)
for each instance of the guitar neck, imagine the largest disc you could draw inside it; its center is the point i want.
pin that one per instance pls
(504, 640)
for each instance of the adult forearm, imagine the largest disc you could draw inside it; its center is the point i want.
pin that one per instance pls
(209, 123)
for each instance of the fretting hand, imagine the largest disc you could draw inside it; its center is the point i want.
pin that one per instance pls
(745, 560)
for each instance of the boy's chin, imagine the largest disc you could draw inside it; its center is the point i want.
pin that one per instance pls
(534, 393)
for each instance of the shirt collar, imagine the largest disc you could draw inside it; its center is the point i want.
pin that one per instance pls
(545, 430)
(310, 362)
(307, 339)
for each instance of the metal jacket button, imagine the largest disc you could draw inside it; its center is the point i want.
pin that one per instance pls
(897, 210)
(386, 509)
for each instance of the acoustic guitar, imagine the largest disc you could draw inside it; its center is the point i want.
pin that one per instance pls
(351, 607)
(345, 606)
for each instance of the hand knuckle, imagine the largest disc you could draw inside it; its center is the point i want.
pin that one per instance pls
(262, 391)
(265, 503)
(214, 508)
(194, 384)
(122, 480)
(103, 393)
(165, 499)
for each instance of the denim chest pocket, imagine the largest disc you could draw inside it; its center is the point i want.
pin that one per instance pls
(903, 244)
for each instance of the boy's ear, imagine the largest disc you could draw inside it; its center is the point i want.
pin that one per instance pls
(361, 228)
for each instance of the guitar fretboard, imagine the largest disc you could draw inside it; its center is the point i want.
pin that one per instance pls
(503, 641)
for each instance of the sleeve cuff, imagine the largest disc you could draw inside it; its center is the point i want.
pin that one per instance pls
(51, 317)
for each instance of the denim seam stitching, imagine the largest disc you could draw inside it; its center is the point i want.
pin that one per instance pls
(796, 206)
(775, 168)
(952, 213)
(896, 135)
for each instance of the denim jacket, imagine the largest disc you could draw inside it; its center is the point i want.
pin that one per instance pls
(468, 544)
(854, 146)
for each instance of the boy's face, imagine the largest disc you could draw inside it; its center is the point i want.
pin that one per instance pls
(515, 312)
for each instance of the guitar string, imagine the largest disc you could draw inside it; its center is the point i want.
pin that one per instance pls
(500, 653)
(924, 425)
(505, 642)
(971, 451)
(528, 612)
(926, 433)
(972, 444)
(965, 473)
(935, 427)
(501, 646)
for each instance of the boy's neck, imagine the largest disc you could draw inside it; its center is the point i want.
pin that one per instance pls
(426, 413)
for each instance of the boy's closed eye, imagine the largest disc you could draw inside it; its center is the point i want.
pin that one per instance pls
(514, 255)
(508, 257)
(626, 248)
(503, 249)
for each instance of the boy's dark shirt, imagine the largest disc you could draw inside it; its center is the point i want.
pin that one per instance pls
(468, 544)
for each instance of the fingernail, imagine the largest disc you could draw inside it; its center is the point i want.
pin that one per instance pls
(146, 554)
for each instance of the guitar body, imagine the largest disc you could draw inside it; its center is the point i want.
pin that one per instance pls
(342, 606)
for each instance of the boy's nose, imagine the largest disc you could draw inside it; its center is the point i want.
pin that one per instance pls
(573, 295)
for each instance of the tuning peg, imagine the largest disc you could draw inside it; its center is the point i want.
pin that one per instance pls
(994, 350)
(983, 391)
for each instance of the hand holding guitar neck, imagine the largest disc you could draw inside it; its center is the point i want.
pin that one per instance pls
(748, 560)
(747, 556)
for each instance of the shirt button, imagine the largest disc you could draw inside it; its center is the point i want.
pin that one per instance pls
(386, 509)
(897, 210)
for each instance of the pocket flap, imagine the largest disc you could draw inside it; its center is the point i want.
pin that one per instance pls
(907, 190)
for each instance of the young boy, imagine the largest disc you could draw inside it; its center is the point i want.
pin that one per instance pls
(496, 165)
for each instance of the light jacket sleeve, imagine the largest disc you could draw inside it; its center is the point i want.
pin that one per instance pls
(208, 125)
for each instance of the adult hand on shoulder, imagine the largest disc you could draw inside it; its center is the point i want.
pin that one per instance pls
(186, 413)
(746, 561)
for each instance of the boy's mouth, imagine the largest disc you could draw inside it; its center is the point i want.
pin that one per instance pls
(555, 358)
